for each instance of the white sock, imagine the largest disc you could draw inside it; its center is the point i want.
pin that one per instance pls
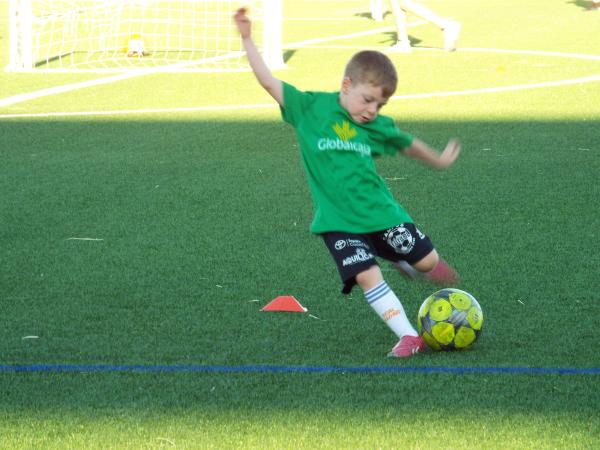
(385, 303)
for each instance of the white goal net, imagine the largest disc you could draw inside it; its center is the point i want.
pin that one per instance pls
(123, 35)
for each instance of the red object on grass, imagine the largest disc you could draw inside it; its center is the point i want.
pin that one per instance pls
(284, 303)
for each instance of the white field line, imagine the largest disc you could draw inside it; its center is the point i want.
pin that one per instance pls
(9, 101)
(425, 95)
(493, 90)
(119, 112)
(325, 19)
(307, 43)
(533, 52)
(582, 56)
(19, 98)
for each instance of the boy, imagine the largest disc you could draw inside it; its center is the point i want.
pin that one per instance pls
(355, 213)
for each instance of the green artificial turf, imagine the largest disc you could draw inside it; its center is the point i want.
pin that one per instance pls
(154, 238)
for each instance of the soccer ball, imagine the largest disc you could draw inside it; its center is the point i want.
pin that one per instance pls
(450, 319)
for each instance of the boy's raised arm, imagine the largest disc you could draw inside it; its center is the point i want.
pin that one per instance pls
(264, 76)
(422, 152)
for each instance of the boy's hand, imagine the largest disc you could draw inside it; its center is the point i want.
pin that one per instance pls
(450, 153)
(243, 23)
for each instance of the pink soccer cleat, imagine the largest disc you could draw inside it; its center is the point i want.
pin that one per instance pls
(408, 346)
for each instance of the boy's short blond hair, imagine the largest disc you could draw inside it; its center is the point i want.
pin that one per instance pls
(375, 68)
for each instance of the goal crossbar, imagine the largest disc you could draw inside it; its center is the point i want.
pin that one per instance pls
(125, 35)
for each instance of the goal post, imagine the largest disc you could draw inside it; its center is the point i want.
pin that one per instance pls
(124, 35)
(272, 34)
(20, 26)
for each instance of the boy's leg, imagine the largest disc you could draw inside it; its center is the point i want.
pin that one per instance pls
(450, 28)
(432, 267)
(384, 302)
(388, 307)
(413, 254)
(423, 12)
(356, 262)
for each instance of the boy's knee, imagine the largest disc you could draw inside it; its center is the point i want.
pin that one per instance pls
(368, 279)
(428, 263)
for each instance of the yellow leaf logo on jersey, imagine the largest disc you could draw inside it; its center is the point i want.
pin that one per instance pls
(344, 132)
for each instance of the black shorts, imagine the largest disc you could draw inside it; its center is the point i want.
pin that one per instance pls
(355, 253)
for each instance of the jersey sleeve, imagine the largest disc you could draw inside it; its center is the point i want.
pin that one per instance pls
(394, 139)
(295, 103)
(400, 140)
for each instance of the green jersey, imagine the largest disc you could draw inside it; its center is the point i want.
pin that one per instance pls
(348, 193)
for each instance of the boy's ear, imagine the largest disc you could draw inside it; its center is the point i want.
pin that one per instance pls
(346, 83)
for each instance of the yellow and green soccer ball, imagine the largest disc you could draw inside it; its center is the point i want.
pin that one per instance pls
(450, 319)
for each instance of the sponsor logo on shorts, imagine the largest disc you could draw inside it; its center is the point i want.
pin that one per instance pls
(400, 239)
(343, 243)
(356, 243)
(361, 255)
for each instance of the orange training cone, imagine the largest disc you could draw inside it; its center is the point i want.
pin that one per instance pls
(286, 303)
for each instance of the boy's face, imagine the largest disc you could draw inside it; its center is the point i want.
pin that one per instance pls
(362, 100)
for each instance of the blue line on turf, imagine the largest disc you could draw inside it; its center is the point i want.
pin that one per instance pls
(107, 368)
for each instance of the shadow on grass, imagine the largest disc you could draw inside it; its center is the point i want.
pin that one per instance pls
(367, 15)
(288, 55)
(391, 38)
(585, 4)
